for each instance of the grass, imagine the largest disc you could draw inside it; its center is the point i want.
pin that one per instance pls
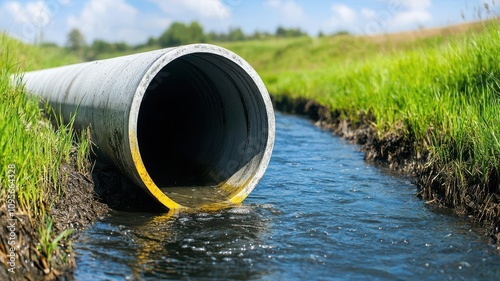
(48, 244)
(444, 89)
(25, 57)
(30, 142)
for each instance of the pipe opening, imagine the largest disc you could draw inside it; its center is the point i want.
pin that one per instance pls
(202, 125)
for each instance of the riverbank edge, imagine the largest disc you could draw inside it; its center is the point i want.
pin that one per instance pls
(73, 209)
(476, 199)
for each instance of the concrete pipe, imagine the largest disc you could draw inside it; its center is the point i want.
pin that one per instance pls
(192, 125)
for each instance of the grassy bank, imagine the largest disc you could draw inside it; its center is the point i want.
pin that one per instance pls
(36, 160)
(438, 91)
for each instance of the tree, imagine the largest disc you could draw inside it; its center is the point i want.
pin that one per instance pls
(76, 41)
(291, 32)
(101, 47)
(236, 35)
(173, 36)
(195, 33)
(180, 34)
(152, 41)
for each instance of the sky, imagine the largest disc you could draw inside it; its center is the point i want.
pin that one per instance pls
(134, 21)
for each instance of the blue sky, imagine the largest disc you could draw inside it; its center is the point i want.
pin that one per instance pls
(134, 21)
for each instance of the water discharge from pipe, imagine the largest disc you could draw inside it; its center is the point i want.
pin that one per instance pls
(191, 125)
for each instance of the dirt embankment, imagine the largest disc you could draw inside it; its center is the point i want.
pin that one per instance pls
(86, 198)
(472, 196)
(74, 208)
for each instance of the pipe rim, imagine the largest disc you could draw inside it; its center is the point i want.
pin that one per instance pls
(169, 55)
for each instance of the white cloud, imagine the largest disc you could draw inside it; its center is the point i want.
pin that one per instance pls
(209, 9)
(36, 13)
(396, 16)
(368, 13)
(416, 4)
(114, 20)
(409, 18)
(290, 11)
(273, 3)
(413, 12)
(343, 17)
(344, 13)
(28, 20)
(104, 18)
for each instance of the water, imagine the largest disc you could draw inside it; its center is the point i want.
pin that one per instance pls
(320, 213)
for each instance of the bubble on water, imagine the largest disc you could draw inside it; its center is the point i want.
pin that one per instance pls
(184, 219)
(240, 210)
(204, 219)
(463, 264)
(198, 249)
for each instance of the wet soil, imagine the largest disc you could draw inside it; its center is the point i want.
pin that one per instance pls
(119, 193)
(76, 207)
(472, 197)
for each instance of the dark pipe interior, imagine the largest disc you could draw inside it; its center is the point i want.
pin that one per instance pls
(194, 121)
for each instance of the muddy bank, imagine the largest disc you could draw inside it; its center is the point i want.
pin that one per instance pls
(74, 208)
(437, 182)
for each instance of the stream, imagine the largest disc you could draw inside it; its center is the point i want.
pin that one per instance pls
(320, 213)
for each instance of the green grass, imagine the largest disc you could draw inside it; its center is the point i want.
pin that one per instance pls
(48, 244)
(444, 89)
(25, 57)
(29, 141)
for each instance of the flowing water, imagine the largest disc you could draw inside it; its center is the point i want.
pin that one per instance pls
(320, 213)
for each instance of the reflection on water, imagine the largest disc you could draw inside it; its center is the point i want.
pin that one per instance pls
(196, 196)
(141, 245)
(320, 213)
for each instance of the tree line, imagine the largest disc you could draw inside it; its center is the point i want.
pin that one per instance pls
(176, 34)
